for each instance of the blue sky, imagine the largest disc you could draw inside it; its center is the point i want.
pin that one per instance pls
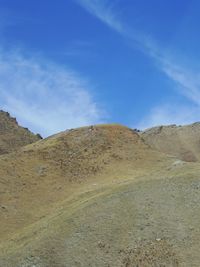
(69, 63)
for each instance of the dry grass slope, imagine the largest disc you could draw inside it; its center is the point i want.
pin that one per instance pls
(98, 196)
(180, 141)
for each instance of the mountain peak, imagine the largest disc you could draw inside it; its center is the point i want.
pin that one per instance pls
(12, 135)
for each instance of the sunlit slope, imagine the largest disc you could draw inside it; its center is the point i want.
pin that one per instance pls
(43, 178)
(181, 141)
(13, 136)
(151, 221)
(39, 175)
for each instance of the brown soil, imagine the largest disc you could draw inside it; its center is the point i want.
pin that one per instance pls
(180, 141)
(98, 196)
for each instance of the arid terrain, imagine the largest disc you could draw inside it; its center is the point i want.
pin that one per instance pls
(181, 141)
(13, 136)
(99, 196)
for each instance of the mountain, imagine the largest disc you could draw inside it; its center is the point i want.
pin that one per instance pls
(98, 196)
(180, 141)
(13, 136)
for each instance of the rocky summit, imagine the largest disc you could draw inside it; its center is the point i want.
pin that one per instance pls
(13, 136)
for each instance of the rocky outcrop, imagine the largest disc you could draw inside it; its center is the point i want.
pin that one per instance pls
(13, 136)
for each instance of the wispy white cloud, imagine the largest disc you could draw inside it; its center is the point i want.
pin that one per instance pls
(188, 85)
(44, 96)
(169, 113)
(187, 81)
(103, 10)
(106, 12)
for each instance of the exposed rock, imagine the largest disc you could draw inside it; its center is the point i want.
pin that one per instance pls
(13, 136)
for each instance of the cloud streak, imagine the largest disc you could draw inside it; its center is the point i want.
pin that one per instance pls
(167, 114)
(103, 10)
(187, 81)
(44, 96)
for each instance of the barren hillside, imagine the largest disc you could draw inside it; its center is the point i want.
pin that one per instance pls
(180, 141)
(13, 136)
(50, 168)
(98, 196)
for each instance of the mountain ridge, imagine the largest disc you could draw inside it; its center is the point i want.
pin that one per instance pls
(13, 136)
(101, 195)
(180, 141)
